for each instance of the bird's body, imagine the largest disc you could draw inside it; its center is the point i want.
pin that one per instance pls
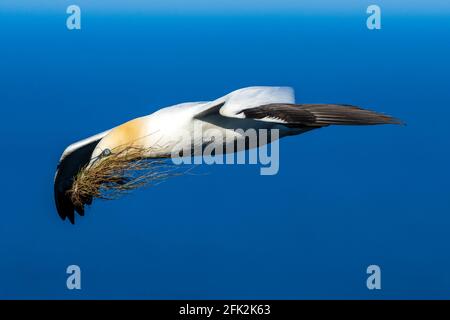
(164, 132)
(190, 126)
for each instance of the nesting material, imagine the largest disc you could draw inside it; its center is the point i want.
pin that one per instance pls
(122, 171)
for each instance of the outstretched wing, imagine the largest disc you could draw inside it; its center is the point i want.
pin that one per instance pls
(317, 115)
(277, 105)
(74, 158)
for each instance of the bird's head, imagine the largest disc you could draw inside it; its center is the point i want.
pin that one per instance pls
(85, 166)
(128, 136)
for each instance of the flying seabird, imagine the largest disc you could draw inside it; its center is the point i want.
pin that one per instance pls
(160, 133)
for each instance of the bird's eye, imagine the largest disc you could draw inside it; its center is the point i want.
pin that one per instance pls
(106, 152)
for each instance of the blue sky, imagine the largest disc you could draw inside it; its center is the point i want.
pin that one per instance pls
(344, 198)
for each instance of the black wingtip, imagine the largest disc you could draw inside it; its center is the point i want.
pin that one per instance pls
(80, 210)
(344, 114)
(66, 172)
(63, 203)
(71, 218)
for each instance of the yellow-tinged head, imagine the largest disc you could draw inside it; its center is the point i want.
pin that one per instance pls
(130, 134)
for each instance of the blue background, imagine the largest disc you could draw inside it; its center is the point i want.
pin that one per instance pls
(345, 197)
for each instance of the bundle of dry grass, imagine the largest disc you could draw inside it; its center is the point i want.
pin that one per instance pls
(124, 170)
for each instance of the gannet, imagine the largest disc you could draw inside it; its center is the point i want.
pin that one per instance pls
(163, 133)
